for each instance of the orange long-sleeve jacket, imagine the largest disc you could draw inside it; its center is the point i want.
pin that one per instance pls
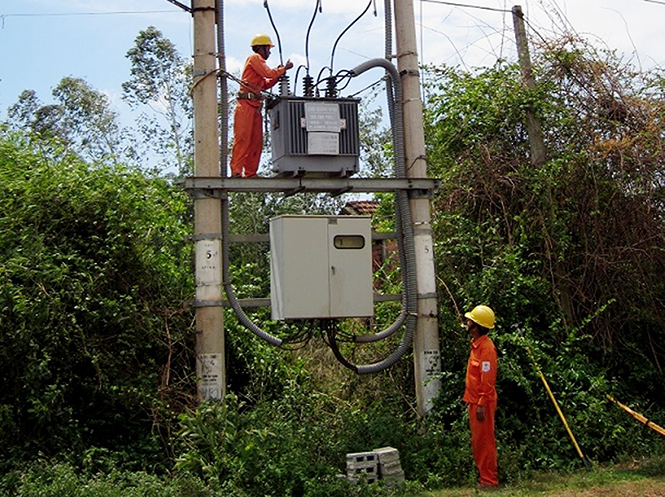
(481, 373)
(259, 76)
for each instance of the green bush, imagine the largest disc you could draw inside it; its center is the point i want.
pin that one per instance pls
(63, 480)
(93, 276)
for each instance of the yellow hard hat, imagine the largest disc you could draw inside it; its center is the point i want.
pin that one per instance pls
(482, 315)
(261, 39)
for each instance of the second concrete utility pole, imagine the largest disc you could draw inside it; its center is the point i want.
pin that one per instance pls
(534, 129)
(426, 350)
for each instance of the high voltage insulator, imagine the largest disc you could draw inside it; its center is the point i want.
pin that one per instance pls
(331, 88)
(308, 86)
(284, 85)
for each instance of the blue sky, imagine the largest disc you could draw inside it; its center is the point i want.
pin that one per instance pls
(42, 41)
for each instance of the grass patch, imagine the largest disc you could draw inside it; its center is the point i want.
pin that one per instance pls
(637, 478)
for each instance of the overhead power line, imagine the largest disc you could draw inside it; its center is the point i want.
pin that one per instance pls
(181, 5)
(65, 14)
(441, 2)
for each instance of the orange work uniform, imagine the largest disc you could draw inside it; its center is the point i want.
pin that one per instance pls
(248, 124)
(481, 391)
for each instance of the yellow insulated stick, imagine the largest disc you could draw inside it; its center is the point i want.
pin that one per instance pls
(558, 409)
(639, 417)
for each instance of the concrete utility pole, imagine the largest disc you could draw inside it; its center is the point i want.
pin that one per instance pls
(533, 127)
(210, 368)
(427, 360)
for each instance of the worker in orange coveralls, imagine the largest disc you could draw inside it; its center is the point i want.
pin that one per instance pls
(480, 393)
(247, 125)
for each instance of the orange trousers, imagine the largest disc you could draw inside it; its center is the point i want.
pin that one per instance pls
(247, 140)
(483, 444)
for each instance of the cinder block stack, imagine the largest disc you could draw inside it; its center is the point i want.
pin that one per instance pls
(362, 466)
(368, 467)
(390, 468)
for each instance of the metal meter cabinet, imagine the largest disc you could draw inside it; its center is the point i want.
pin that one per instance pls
(320, 267)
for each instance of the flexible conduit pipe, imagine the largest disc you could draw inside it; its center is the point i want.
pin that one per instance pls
(228, 287)
(223, 88)
(398, 218)
(403, 215)
(226, 278)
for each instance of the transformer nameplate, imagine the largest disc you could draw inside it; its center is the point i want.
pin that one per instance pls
(322, 116)
(322, 144)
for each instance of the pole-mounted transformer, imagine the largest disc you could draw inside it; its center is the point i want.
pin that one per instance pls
(314, 136)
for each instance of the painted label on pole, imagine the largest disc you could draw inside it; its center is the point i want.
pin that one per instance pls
(207, 262)
(425, 256)
(208, 273)
(432, 362)
(431, 384)
(210, 376)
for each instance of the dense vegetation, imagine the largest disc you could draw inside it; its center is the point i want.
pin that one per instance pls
(96, 337)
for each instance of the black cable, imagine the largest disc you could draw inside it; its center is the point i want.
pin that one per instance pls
(340, 76)
(466, 5)
(279, 41)
(181, 5)
(295, 78)
(317, 8)
(300, 339)
(332, 343)
(318, 76)
(332, 54)
(369, 87)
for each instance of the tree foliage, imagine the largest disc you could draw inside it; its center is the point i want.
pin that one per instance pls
(160, 82)
(568, 254)
(93, 277)
(82, 121)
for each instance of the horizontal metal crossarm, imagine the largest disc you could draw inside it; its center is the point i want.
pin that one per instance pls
(265, 301)
(265, 237)
(201, 185)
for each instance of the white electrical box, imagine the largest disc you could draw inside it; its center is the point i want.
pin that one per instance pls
(321, 267)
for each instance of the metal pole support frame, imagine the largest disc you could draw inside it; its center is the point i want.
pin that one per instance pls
(203, 187)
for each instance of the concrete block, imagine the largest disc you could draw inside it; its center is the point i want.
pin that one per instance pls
(362, 466)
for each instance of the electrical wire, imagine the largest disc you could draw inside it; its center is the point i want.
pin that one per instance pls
(226, 74)
(466, 5)
(317, 8)
(332, 54)
(295, 77)
(181, 5)
(279, 41)
(301, 338)
(341, 76)
(73, 14)
(318, 76)
(367, 88)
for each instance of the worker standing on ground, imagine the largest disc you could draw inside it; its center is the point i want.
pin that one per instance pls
(248, 123)
(480, 393)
